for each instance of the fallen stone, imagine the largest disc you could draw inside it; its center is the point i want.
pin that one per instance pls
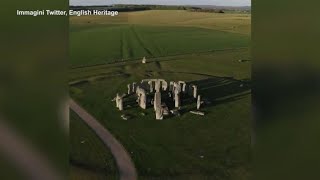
(197, 113)
(166, 111)
(175, 112)
(124, 117)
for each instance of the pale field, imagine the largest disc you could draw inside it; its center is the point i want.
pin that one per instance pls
(229, 22)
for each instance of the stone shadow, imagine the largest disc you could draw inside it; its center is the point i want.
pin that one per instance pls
(215, 91)
(218, 90)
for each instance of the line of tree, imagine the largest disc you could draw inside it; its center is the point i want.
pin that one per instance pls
(109, 8)
(152, 7)
(129, 7)
(207, 10)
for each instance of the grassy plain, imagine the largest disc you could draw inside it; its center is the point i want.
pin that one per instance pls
(89, 157)
(215, 146)
(97, 40)
(172, 148)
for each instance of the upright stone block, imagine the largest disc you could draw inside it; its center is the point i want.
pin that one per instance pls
(134, 87)
(150, 86)
(129, 89)
(198, 102)
(143, 101)
(121, 103)
(157, 86)
(159, 114)
(195, 91)
(142, 97)
(157, 101)
(144, 60)
(164, 85)
(117, 100)
(184, 88)
(177, 100)
(182, 85)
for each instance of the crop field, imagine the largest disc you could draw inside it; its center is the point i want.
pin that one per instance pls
(98, 40)
(202, 48)
(89, 157)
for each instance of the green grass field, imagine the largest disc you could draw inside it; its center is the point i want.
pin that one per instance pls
(89, 157)
(173, 147)
(98, 40)
(214, 146)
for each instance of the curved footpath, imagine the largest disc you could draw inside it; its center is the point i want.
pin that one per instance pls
(125, 165)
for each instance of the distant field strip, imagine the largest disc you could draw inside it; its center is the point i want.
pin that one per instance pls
(158, 58)
(121, 42)
(86, 74)
(231, 22)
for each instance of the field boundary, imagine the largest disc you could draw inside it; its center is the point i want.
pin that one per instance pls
(153, 58)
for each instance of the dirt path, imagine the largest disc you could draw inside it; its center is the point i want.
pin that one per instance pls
(125, 165)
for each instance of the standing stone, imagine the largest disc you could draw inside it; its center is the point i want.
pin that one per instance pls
(198, 102)
(134, 86)
(157, 101)
(164, 85)
(157, 86)
(195, 89)
(184, 88)
(129, 89)
(138, 99)
(120, 103)
(117, 100)
(159, 114)
(176, 98)
(176, 87)
(151, 86)
(144, 60)
(142, 97)
(138, 94)
(143, 100)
